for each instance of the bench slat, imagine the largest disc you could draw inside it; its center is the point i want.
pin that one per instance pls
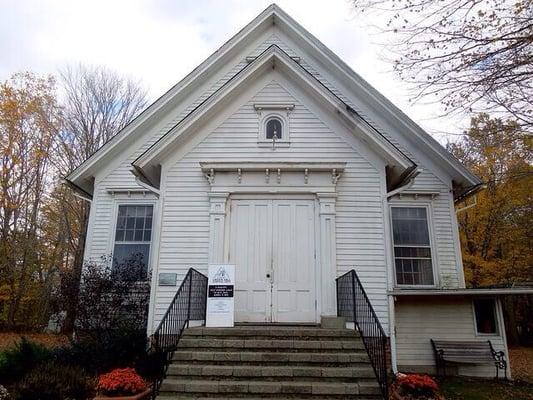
(466, 352)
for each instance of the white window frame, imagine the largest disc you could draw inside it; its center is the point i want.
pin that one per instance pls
(432, 247)
(133, 202)
(262, 140)
(496, 318)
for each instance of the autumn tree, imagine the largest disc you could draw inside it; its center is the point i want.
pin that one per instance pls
(29, 120)
(496, 228)
(97, 104)
(470, 55)
(497, 233)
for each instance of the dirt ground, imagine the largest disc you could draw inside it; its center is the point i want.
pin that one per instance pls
(8, 340)
(522, 363)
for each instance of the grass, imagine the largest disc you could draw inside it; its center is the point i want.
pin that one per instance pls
(481, 389)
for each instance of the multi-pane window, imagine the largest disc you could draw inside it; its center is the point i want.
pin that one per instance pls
(412, 249)
(132, 241)
(485, 311)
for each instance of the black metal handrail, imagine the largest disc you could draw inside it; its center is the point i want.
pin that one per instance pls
(189, 304)
(354, 305)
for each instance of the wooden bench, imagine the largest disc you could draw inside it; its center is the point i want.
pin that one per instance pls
(467, 352)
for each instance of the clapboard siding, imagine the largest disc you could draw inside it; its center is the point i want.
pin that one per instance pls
(442, 212)
(419, 321)
(359, 228)
(361, 241)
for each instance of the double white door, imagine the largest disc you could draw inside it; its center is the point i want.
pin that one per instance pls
(272, 244)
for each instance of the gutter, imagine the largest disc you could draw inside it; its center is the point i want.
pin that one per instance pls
(461, 292)
(406, 183)
(469, 192)
(143, 180)
(77, 190)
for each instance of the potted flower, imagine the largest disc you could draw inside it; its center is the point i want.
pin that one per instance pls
(122, 384)
(414, 387)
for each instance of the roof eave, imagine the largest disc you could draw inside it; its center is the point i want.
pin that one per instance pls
(460, 292)
(154, 154)
(454, 167)
(86, 169)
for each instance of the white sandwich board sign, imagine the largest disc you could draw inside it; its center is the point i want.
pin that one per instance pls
(220, 295)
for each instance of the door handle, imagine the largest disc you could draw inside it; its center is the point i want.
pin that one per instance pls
(268, 275)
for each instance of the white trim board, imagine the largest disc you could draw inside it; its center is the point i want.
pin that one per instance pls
(152, 157)
(275, 18)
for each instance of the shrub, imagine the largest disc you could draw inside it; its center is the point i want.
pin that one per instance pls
(116, 348)
(417, 386)
(26, 355)
(121, 382)
(4, 394)
(53, 381)
(108, 300)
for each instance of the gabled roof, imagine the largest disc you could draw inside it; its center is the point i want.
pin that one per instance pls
(272, 15)
(82, 175)
(147, 163)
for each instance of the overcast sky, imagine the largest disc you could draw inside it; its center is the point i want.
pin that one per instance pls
(159, 41)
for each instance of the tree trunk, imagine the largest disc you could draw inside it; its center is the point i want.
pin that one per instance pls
(74, 278)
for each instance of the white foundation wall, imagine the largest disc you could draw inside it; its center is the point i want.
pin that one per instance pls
(359, 207)
(420, 319)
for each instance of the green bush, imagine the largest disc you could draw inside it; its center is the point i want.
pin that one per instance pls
(53, 381)
(25, 356)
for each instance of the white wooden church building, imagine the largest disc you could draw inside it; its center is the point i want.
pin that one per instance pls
(275, 156)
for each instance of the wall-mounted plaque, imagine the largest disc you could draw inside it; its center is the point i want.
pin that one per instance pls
(167, 279)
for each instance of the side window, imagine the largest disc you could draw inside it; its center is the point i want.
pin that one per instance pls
(132, 241)
(485, 313)
(412, 248)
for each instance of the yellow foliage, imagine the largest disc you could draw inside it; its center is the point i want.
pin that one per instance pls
(496, 234)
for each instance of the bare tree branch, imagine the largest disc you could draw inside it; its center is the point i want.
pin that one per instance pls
(469, 55)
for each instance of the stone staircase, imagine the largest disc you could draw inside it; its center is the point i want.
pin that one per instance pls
(258, 362)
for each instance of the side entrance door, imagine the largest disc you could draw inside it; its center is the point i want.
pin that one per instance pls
(272, 244)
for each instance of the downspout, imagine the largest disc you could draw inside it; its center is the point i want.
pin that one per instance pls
(407, 183)
(468, 206)
(146, 186)
(392, 335)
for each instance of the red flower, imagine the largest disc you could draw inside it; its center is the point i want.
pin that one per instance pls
(418, 385)
(121, 382)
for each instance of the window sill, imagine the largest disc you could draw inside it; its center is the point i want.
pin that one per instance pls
(411, 287)
(268, 143)
(487, 334)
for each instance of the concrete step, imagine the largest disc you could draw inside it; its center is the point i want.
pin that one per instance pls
(248, 396)
(270, 362)
(278, 332)
(268, 343)
(271, 357)
(254, 387)
(257, 372)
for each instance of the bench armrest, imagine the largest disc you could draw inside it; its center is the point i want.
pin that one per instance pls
(499, 357)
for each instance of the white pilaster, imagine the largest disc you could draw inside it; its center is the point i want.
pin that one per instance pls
(217, 217)
(328, 256)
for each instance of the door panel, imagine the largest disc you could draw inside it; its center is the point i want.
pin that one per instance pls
(250, 250)
(276, 238)
(293, 251)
